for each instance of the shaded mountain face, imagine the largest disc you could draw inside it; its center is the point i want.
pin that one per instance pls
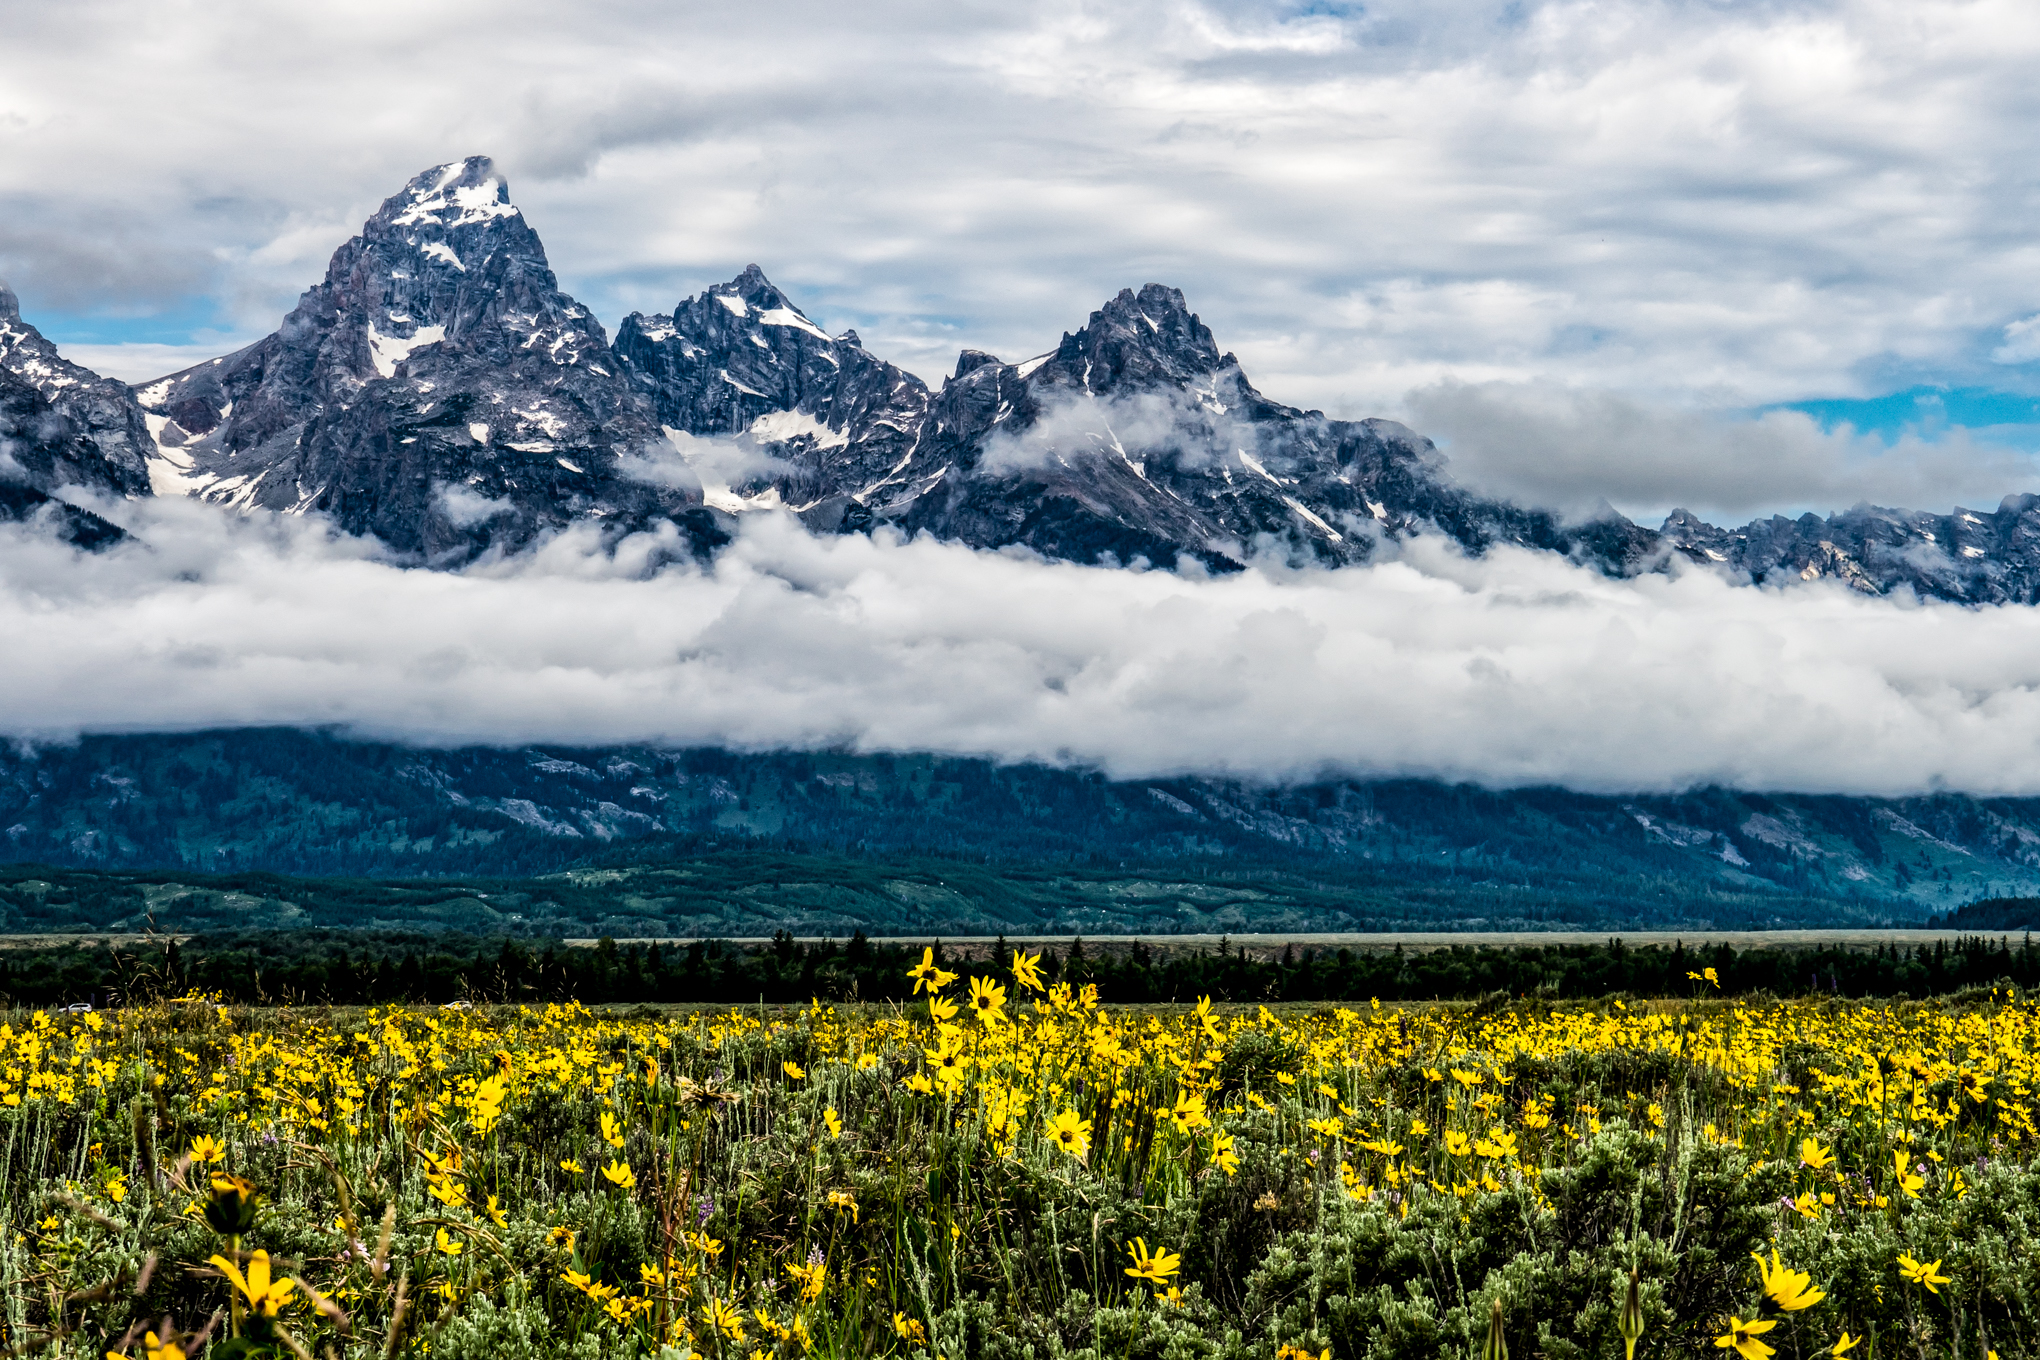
(437, 390)
(1135, 438)
(63, 430)
(29, 441)
(77, 429)
(742, 361)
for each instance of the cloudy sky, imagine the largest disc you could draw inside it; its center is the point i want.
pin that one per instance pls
(1745, 257)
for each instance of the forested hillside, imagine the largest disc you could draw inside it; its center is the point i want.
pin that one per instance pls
(636, 842)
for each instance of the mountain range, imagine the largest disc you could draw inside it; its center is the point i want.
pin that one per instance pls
(438, 391)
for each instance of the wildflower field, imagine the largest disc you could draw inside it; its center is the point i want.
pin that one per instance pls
(1002, 1167)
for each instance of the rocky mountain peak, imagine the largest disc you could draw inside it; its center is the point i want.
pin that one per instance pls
(1971, 556)
(741, 362)
(460, 193)
(1141, 340)
(436, 390)
(971, 360)
(450, 260)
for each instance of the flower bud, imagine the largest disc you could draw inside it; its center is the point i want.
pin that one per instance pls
(1497, 1347)
(1631, 1321)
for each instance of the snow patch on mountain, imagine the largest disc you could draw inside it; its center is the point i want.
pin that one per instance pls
(390, 350)
(780, 426)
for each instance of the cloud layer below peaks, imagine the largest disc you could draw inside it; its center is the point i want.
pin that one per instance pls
(1514, 669)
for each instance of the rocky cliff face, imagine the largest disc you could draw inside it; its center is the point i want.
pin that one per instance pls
(1135, 439)
(34, 440)
(436, 390)
(87, 432)
(1970, 556)
(65, 433)
(741, 363)
(439, 391)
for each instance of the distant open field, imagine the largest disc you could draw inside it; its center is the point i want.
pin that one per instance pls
(1265, 946)
(1256, 946)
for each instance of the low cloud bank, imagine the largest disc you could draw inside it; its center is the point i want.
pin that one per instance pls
(1510, 670)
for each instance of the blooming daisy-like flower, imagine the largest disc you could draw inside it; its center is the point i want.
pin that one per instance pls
(1071, 1134)
(1156, 1267)
(988, 999)
(1741, 1338)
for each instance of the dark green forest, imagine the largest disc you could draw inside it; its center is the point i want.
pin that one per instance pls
(752, 892)
(341, 968)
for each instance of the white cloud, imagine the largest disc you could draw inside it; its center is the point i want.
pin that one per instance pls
(1077, 425)
(690, 462)
(1543, 444)
(468, 507)
(2022, 343)
(140, 361)
(1749, 202)
(1516, 669)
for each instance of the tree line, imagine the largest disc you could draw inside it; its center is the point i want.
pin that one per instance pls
(353, 968)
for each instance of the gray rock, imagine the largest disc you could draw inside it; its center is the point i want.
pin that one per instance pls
(1134, 440)
(1968, 556)
(38, 447)
(437, 390)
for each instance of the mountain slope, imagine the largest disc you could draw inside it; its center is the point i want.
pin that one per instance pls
(1135, 439)
(1973, 557)
(436, 390)
(64, 431)
(294, 802)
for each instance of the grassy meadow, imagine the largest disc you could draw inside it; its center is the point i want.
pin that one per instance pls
(1009, 1169)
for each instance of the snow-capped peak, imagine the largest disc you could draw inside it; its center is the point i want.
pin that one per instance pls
(460, 194)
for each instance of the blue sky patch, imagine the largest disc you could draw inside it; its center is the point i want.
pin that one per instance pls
(1925, 411)
(187, 323)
